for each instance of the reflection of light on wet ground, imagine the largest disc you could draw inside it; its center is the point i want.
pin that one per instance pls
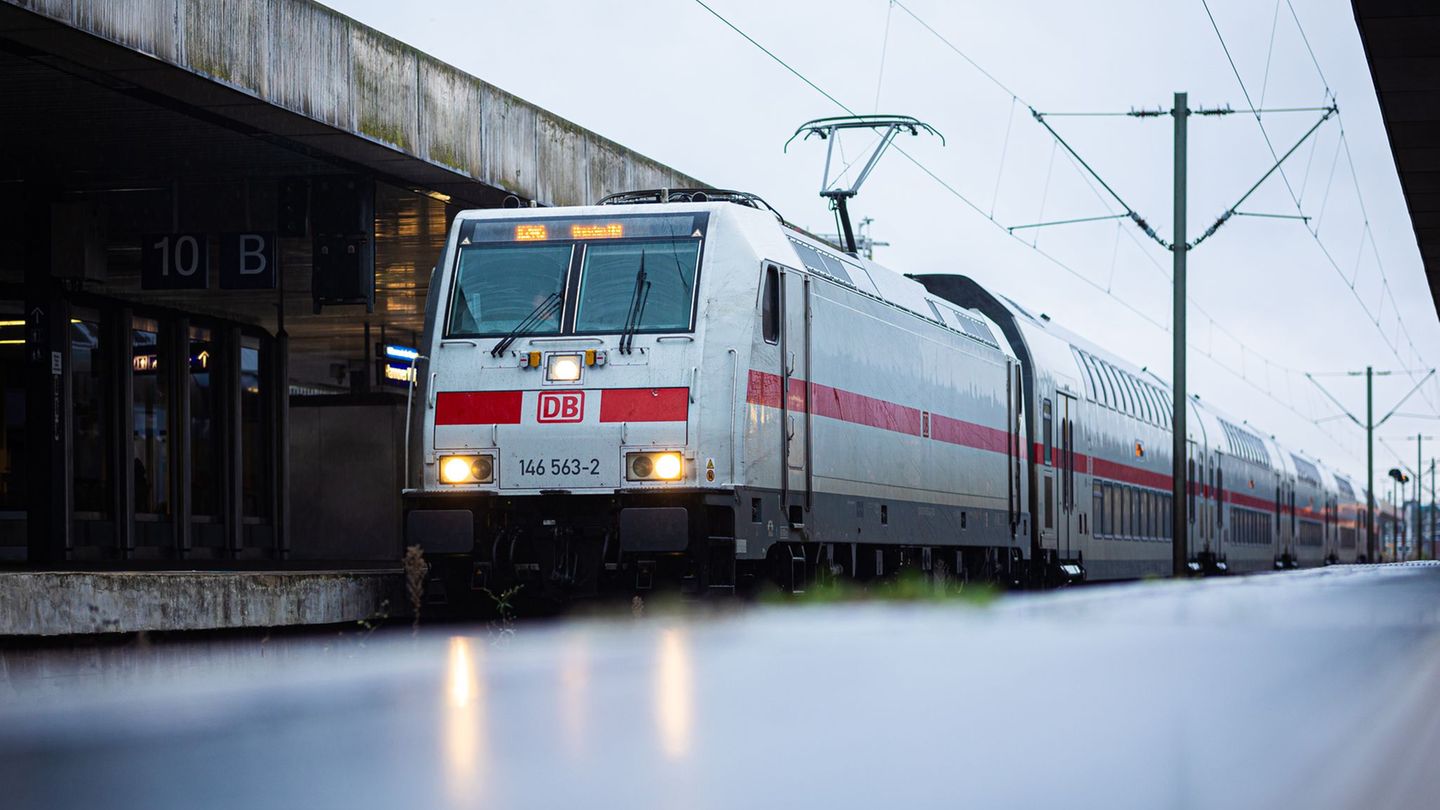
(463, 725)
(674, 694)
(574, 687)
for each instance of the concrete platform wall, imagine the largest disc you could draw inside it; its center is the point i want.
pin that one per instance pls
(75, 603)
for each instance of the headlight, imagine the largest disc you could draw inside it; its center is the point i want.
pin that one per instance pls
(563, 368)
(467, 469)
(654, 466)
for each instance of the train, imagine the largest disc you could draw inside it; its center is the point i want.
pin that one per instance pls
(678, 387)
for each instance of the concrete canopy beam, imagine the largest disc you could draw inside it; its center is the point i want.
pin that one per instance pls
(298, 71)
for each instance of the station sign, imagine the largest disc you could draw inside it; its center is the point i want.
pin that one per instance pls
(174, 261)
(247, 261)
(398, 363)
(181, 261)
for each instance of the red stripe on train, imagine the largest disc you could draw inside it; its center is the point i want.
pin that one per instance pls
(478, 407)
(644, 405)
(847, 406)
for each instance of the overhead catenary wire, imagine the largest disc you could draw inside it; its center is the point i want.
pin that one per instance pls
(1401, 329)
(1270, 52)
(884, 47)
(969, 203)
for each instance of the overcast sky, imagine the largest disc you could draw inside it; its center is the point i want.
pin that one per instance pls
(670, 80)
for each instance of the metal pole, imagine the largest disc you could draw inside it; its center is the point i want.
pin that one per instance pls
(1180, 524)
(1419, 544)
(1432, 509)
(1370, 550)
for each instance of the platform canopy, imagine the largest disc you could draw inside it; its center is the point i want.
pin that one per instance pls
(1402, 44)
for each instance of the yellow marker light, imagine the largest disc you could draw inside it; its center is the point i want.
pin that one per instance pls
(668, 466)
(531, 233)
(609, 230)
(589, 357)
(530, 360)
(563, 368)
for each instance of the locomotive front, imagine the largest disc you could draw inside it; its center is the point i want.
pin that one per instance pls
(554, 426)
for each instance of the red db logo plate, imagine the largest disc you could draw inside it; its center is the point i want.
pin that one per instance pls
(561, 406)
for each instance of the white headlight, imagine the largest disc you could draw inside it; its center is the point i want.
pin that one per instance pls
(563, 368)
(467, 469)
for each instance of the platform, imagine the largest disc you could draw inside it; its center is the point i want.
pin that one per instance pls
(57, 603)
(1306, 689)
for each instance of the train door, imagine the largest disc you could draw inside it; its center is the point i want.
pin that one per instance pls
(1066, 526)
(1218, 542)
(795, 394)
(1047, 464)
(1014, 444)
(1194, 474)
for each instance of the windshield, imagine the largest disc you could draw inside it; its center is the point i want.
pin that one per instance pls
(499, 286)
(608, 285)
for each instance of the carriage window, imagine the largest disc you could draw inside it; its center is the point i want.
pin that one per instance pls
(1132, 402)
(1112, 389)
(770, 306)
(1152, 402)
(1112, 508)
(653, 279)
(1048, 428)
(499, 286)
(1090, 378)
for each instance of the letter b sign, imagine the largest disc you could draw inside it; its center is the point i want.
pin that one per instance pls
(247, 261)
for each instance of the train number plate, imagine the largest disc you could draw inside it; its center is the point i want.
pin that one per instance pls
(558, 467)
(577, 463)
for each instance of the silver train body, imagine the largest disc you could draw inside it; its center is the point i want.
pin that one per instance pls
(610, 396)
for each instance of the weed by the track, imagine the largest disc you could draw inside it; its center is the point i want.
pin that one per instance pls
(907, 586)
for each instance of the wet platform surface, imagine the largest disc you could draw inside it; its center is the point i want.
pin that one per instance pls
(1306, 689)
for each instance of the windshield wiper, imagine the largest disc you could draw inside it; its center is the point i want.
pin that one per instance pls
(638, 295)
(538, 315)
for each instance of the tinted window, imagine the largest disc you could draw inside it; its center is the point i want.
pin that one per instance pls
(498, 286)
(656, 278)
(770, 306)
(1048, 428)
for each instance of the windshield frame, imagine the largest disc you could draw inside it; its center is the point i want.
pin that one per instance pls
(575, 272)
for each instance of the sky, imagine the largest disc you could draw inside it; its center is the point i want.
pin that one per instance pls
(670, 80)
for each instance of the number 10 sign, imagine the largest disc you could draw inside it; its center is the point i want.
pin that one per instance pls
(181, 261)
(174, 261)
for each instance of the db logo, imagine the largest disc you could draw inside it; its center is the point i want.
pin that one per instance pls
(561, 406)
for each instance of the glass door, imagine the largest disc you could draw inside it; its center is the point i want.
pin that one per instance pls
(205, 440)
(12, 431)
(150, 439)
(92, 387)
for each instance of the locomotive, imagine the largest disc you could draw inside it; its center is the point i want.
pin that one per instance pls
(679, 386)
